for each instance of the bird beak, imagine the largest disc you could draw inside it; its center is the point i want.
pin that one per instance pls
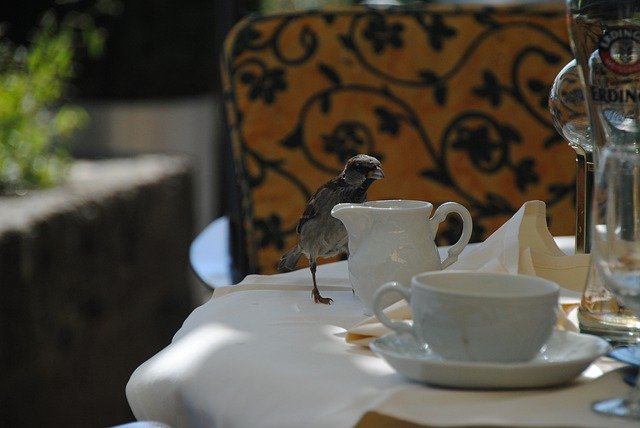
(376, 174)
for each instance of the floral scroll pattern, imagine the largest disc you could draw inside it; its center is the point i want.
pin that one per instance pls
(451, 99)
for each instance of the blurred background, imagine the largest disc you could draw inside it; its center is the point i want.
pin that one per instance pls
(94, 271)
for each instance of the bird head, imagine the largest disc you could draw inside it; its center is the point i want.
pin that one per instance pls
(360, 169)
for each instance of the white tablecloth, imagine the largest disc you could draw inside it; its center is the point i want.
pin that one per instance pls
(262, 354)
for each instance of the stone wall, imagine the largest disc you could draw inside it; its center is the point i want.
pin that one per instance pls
(94, 280)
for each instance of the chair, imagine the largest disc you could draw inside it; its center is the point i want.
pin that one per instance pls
(451, 98)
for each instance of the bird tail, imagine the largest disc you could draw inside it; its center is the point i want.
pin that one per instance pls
(289, 260)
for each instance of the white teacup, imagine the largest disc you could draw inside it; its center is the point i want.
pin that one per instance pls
(476, 316)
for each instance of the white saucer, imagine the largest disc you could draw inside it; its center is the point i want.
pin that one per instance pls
(565, 356)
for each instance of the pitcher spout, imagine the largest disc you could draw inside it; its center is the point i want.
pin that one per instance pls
(356, 219)
(349, 213)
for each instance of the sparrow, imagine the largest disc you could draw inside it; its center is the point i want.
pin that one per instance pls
(320, 234)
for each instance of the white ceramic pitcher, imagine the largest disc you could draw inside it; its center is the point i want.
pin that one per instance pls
(393, 240)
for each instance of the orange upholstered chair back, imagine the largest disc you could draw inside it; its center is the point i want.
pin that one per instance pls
(451, 99)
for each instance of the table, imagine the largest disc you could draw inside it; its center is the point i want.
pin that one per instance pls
(262, 354)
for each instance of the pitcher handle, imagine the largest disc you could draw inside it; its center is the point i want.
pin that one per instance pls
(467, 226)
(378, 309)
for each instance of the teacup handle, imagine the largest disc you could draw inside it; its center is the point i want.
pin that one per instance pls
(378, 309)
(467, 226)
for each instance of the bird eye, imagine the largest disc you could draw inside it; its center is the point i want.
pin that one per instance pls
(364, 169)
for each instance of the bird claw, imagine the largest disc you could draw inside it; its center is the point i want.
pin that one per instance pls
(317, 298)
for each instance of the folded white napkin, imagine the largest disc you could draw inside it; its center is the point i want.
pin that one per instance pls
(523, 245)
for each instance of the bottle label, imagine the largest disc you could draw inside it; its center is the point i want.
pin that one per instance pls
(619, 50)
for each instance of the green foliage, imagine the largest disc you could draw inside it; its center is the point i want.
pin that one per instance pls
(36, 120)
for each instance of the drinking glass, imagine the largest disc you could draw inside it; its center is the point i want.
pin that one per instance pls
(605, 38)
(600, 312)
(569, 113)
(616, 244)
